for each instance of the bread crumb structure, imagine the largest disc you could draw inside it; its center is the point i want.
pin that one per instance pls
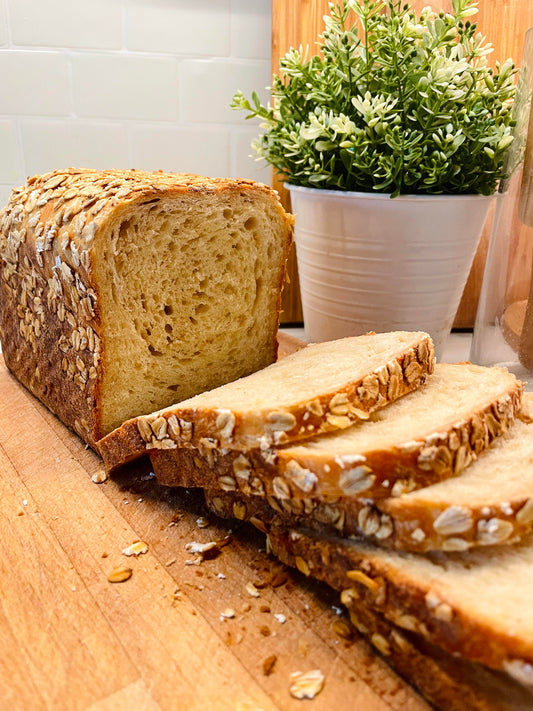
(122, 292)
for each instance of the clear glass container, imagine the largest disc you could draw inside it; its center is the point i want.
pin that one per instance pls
(503, 332)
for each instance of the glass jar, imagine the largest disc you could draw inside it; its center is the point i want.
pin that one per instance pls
(503, 332)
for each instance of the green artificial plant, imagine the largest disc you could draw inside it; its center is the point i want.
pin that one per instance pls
(394, 102)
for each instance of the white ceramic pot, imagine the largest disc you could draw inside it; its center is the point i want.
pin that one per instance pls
(367, 262)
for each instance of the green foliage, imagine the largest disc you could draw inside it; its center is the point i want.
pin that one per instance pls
(394, 103)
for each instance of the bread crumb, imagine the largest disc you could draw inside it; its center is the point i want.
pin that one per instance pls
(252, 590)
(343, 629)
(280, 618)
(99, 476)
(303, 647)
(268, 664)
(228, 614)
(120, 575)
(137, 548)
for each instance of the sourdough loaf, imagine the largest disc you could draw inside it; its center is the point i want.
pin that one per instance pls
(124, 291)
(427, 436)
(323, 387)
(475, 604)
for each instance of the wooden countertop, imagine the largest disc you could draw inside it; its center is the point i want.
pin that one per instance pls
(72, 640)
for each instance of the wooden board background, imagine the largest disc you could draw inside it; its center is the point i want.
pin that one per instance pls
(299, 22)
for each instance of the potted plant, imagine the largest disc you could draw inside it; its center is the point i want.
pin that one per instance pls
(395, 105)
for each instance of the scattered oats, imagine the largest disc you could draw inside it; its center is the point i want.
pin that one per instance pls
(137, 548)
(195, 561)
(228, 614)
(280, 618)
(221, 576)
(120, 575)
(202, 548)
(140, 501)
(306, 685)
(252, 590)
(202, 522)
(25, 502)
(99, 476)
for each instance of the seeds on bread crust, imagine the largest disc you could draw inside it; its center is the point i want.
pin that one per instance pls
(327, 412)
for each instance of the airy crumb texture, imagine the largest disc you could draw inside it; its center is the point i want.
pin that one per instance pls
(125, 291)
(293, 380)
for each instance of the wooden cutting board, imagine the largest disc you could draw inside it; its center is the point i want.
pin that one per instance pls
(72, 640)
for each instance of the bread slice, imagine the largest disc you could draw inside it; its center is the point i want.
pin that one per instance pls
(427, 436)
(475, 604)
(490, 503)
(323, 387)
(123, 291)
(447, 682)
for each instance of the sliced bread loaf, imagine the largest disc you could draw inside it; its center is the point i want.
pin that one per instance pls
(490, 503)
(431, 434)
(123, 291)
(323, 387)
(475, 604)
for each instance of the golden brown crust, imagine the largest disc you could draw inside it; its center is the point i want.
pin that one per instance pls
(449, 683)
(327, 412)
(361, 572)
(213, 431)
(50, 318)
(355, 487)
(487, 526)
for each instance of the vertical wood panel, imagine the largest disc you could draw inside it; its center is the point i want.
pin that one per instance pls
(299, 22)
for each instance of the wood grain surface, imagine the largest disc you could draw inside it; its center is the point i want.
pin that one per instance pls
(299, 22)
(73, 641)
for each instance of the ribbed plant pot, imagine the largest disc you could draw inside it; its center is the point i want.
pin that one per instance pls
(367, 262)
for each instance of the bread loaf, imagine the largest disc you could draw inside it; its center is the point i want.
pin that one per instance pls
(427, 436)
(324, 387)
(125, 291)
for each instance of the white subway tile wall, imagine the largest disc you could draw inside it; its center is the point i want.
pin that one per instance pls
(66, 23)
(130, 84)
